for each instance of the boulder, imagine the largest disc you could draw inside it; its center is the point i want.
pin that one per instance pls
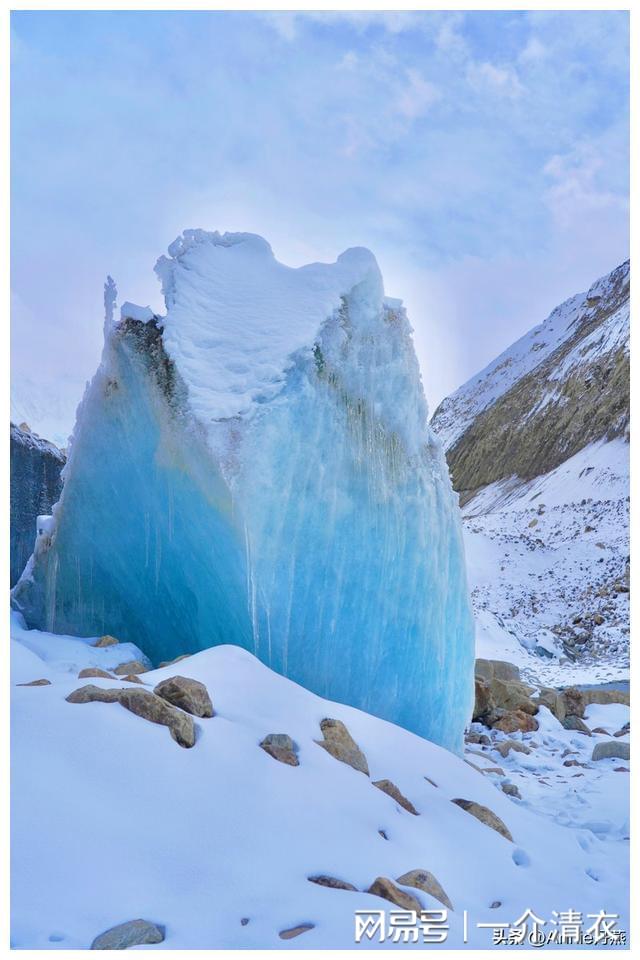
(388, 787)
(574, 702)
(131, 678)
(341, 745)
(553, 700)
(90, 693)
(151, 707)
(513, 695)
(514, 720)
(325, 881)
(131, 666)
(144, 704)
(385, 888)
(484, 704)
(281, 747)
(623, 731)
(611, 748)
(106, 641)
(424, 880)
(189, 695)
(35, 683)
(95, 672)
(133, 933)
(496, 669)
(484, 815)
(571, 722)
(606, 696)
(295, 931)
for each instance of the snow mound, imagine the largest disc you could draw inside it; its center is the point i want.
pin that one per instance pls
(200, 840)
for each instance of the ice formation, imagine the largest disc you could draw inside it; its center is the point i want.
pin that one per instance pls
(256, 468)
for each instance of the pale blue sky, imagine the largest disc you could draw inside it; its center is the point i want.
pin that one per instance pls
(483, 157)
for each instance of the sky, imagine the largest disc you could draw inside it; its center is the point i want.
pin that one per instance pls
(482, 157)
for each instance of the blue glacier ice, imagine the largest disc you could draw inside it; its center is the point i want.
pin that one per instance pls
(256, 467)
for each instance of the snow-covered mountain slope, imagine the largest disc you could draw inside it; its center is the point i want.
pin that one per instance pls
(538, 448)
(112, 820)
(49, 409)
(563, 385)
(256, 467)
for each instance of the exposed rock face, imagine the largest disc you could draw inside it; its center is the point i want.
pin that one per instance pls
(388, 787)
(528, 412)
(341, 745)
(281, 747)
(36, 484)
(383, 887)
(144, 704)
(424, 880)
(189, 695)
(133, 933)
(484, 815)
(496, 670)
(324, 881)
(611, 748)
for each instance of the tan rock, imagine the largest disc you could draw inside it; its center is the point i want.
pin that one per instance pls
(132, 678)
(574, 702)
(385, 888)
(606, 696)
(515, 720)
(425, 880)
(281, 747)
(144, 704)
(35, 683)
(95, 672)
(131, 666)
(170, 663)
(484, 815)
(341, 745)
(496, 669)
(106, 641)
(575, 723)
(133, 933)
(512, 695)
(389, 787)
(188, 694)
(325, 881)
(504, 746)
(295, 931)
(484, 704)
(151, 707)
(553, 700)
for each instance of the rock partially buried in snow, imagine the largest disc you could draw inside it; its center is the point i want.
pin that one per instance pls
(325, 881)
(383, 887)
(295, 931)
(572, 722)
(515, 720)
(388, 787)
(170, 663)
(132, 678)
(106, 641)
(131, 666)
(281, 747)
(425, 880)
(484, 815)
(144, 704)
(133, 933)
(189, 695)
(341, 745)
(611, 748)
(504, 746)
(95, 672)
(35, 683)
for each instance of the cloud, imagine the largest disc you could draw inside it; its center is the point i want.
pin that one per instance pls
(417, 96)
(487, 77)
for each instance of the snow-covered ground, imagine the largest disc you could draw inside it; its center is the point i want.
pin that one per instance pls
(112, 820)
(543, 553)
